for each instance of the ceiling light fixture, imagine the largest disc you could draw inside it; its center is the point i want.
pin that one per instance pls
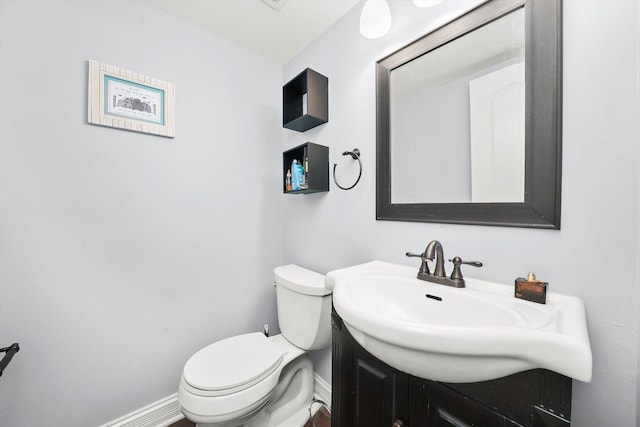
(375, 20)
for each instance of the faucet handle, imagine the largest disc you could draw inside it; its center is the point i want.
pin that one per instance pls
(456, 274)
(424, 267)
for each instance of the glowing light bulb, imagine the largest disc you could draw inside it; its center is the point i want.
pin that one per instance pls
(375, 20)
(426, 3)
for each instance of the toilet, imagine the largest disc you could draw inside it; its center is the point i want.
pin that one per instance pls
(252, 380)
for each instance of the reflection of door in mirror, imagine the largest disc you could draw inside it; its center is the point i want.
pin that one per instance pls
(497, 135)
(456, 135)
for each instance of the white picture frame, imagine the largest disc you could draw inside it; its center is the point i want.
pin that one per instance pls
(128, 100)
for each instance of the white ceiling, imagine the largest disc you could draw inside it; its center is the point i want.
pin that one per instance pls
(277, 35)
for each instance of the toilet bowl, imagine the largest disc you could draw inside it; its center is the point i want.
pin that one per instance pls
(252, 380)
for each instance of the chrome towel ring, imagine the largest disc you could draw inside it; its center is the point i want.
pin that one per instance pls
(355, 155)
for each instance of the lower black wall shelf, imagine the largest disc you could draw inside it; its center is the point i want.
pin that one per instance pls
(314, 159)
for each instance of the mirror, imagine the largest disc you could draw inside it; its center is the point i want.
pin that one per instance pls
(464, 101)
(469, 120)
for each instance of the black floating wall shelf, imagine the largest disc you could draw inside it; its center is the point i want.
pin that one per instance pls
(315, 160)
(305, 101)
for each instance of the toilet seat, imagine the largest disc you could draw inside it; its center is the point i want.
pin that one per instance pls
(231, 365)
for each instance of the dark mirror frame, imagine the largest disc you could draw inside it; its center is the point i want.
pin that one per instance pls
(543, 122)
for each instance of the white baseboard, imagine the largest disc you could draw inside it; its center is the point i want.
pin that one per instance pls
(166, 411)
(321, 390)
(162, 413)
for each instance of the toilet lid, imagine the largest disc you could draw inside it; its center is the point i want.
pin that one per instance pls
(232, 364)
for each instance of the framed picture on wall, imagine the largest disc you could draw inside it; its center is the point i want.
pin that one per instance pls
(127, 100)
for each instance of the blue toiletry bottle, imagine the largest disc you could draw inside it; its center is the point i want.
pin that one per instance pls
(302, 183)
(295, 175)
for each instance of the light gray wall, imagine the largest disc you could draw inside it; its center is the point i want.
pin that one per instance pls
(595, 255)
(121, 254)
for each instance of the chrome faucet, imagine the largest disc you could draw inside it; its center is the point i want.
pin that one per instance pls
(434, 250)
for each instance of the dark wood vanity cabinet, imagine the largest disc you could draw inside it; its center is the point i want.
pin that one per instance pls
(369, 393)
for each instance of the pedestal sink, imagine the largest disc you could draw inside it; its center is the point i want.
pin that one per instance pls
(477, 333)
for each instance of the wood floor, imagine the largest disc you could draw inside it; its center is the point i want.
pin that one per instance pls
(322, 418)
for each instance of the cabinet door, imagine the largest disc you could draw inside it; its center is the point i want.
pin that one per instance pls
(434, 405)
(367, 392)
(380, 393)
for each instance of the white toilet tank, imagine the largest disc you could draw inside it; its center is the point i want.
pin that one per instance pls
(304, 307)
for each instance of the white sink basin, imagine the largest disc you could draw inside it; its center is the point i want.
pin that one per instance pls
(471, 334)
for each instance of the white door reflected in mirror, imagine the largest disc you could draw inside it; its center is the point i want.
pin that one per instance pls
(497, 135)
